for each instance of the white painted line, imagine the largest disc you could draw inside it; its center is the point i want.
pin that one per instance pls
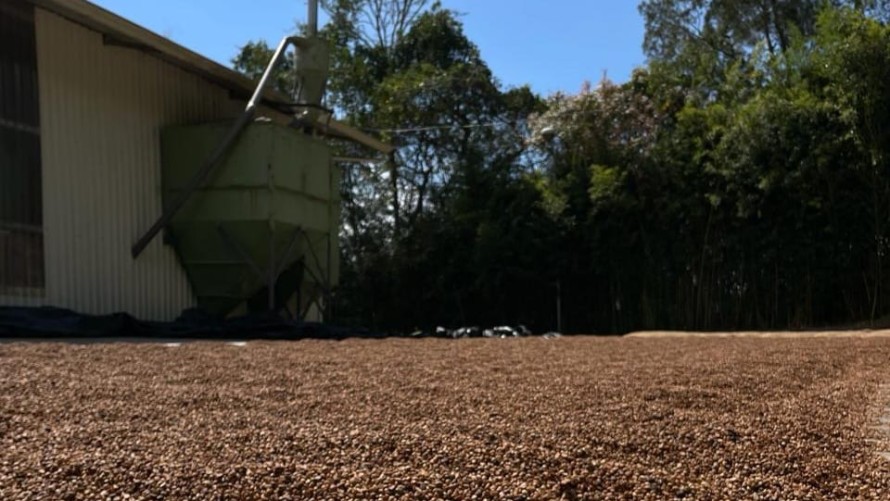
(172, 345)
(240, 344)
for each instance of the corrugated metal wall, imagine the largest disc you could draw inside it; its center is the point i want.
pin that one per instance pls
(102, 107)
(21, 234)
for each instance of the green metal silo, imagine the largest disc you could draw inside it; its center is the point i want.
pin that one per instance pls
(271, 206)
(251, 207)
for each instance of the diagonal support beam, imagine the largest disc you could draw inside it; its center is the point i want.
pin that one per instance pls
(232, 244)
(282, 264)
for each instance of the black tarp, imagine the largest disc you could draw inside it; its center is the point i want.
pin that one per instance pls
(49, 322)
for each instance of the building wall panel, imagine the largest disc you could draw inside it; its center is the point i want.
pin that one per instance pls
(102, 107)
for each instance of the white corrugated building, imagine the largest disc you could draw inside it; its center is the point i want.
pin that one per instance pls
(84, 95)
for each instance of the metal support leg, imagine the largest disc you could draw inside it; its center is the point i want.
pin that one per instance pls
(273, 270)
(325, 281)
(316, 260)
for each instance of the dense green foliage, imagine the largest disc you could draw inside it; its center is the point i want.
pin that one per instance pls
(739, 180)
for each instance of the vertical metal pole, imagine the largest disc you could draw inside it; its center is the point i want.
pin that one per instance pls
(313, 18)
(273, 265)
(331, 235)
(273, 268)
(396, 206)
(297, 316)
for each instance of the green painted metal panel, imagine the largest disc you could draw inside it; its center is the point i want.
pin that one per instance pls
(275, 190)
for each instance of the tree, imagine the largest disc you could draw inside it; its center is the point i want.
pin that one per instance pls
(741, 180)
(376, 23)
(853, 58)
(456, 131)
(731, 28)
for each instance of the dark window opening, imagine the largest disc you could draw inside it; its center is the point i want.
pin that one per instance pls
(21, 200)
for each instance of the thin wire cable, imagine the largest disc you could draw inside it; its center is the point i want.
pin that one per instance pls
(432, 128)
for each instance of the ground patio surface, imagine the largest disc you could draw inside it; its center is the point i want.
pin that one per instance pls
(651, 417)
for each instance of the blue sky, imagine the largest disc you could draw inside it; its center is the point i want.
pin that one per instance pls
(553, 45)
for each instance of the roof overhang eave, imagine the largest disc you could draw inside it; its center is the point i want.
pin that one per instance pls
(117, 29)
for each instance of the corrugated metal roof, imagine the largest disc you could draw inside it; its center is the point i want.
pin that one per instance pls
(127, 32)
(98, 19)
